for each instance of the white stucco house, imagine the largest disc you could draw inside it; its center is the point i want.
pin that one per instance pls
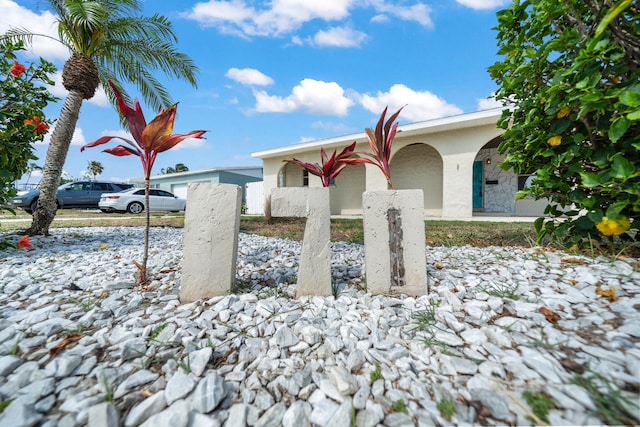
(454, 160)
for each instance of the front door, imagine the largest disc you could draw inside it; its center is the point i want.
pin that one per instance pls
(477, 185)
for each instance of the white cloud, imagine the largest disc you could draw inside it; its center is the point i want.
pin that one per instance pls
(339, 37)
(488, 103)
(312, 96)
(419, 105)
(419, 13)
(249, 76)
(191, 143)
(16, 16)
(77, 139)
(278, 17)
(483, 4)
(335, 128)
(283, 16)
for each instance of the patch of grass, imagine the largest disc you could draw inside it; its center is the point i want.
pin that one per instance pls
(613, 407)
(156, 331)
(86, 304)
(16, 346)
(376, 374)
(425, 320)
(447, 408)
(540, 404)
(185, 364)
(107, 388)
(438, 233)
(503, 291)
(399, 406)
(4, 404)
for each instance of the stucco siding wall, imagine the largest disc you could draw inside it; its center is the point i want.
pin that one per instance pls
(346, 196)
(419, 166)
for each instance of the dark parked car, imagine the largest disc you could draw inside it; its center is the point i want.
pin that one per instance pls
(79, 194)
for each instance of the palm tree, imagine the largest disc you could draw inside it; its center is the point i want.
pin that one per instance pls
(108, 40)
(181, 167)
(94, 168)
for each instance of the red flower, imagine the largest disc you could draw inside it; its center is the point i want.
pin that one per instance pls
(17, 69)
(24, 243)
(148, 139)
(40, 127)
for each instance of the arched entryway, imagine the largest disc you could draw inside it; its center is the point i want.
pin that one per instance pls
(419, 166)
(292, 175)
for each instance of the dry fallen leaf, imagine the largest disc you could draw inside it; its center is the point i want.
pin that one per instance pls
(439, 266)
(573, 282)
(549, 315)
(574, 261)
(609, 294)
(63, 343)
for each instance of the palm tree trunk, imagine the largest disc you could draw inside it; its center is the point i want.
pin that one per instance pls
(52, 170)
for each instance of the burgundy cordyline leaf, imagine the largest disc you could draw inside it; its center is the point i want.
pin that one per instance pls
(331, 166)
(134, 116)
(150, 139)
(380, 143)
(121, 151)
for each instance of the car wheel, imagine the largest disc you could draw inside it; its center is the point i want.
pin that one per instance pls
(34, 205)
(135, 208)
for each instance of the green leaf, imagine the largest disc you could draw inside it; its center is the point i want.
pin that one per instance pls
(634, 115)
(611, 15)
(615, 209)
(631, 96)
(618, 128)
(584, 223)
(590, 179)
(622, 168)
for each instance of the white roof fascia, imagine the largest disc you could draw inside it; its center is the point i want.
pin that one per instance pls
(444, 124)
(201, 171)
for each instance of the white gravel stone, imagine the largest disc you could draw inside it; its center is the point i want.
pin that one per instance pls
(263, 358)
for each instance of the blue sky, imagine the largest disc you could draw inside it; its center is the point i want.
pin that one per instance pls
(280, 72)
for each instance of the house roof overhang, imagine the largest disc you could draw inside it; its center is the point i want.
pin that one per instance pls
(475, 119)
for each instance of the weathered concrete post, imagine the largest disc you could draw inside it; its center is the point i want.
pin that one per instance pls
(211, 226)
(314, 272)
(394, 242)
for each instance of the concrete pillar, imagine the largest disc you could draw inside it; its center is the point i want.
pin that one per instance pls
(394, 242)
(211, 226)
(314, 271)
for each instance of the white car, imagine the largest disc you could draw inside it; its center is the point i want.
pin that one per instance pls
(132, 201)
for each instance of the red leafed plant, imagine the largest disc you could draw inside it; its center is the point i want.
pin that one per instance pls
(330, 167)
(380, 142)
(148, 140)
